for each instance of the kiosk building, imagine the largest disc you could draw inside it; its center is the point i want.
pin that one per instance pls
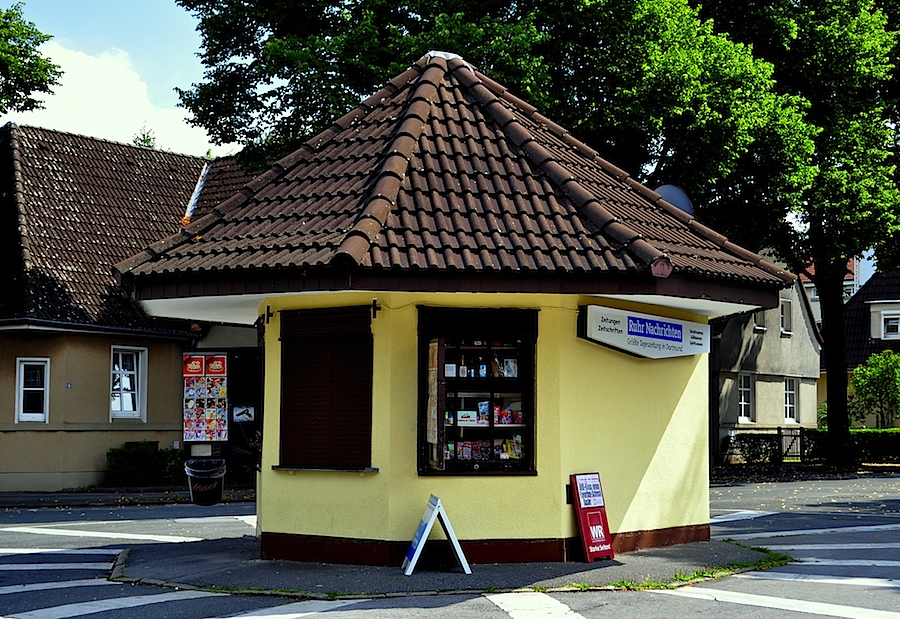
(457, 298)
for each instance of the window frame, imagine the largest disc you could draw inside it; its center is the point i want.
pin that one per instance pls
(750, 402)
(787, 320)
(791, 393)
(488, 325)
(21, 416)
(890, 316)
(759, 320)
(139, 375)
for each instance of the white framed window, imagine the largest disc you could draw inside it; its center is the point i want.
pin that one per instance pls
(32, 389)
(759, 320)
(745, 399)
(890, 326)
(128, 383)
(790, 399)
(786, 319)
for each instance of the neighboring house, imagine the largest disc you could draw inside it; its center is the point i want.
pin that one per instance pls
(859, 270)
(763, 370)
(82, 368)
(872, 323)
(460, 299)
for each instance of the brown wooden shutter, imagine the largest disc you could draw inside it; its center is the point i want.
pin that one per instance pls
(326, 388)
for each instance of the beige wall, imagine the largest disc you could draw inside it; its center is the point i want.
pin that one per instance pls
(70, 449)
(642, 424)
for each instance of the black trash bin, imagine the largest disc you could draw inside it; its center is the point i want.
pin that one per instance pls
(206, 478)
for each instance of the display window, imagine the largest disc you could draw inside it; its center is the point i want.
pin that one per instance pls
(477, 391)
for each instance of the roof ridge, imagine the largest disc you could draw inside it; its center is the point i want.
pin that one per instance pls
(389, 176)
(278, 169)
(584, 200)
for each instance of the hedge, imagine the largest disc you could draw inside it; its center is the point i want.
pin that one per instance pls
(870, 445)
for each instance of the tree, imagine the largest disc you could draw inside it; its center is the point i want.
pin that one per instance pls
(645, 82)
(144, 138)
(838, 56)
(876, 388)
(24, 72)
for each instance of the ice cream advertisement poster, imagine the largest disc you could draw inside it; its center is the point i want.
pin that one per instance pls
(205, 398)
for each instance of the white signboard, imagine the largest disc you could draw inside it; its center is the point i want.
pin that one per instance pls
(433, 511)
(645, 335)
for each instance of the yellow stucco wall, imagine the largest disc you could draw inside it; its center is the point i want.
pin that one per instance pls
(642, 424)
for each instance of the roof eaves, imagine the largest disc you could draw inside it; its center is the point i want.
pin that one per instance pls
(389, 176)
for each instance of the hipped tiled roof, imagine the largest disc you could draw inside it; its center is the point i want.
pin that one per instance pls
(860, 344)
(72, 207)
(442, 173)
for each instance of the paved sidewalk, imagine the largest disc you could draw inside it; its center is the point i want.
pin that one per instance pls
(234, 564)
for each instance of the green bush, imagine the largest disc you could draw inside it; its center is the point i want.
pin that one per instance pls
(882, 445)
(142, 464)
(758, 448)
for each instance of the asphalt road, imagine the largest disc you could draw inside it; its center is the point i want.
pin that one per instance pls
(845, 535)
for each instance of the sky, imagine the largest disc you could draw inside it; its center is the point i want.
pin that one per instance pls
(122, 60)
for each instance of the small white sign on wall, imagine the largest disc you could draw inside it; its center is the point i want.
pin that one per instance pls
(646, 335)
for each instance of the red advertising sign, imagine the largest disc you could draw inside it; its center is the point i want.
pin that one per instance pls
(590, 510)
(194, 365)
(215, 365)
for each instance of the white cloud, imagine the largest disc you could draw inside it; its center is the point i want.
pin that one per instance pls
(103, 96)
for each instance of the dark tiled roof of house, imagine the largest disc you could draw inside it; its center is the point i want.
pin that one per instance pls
(72, 207)
(857, 318)
(444, 172)
(223, 178)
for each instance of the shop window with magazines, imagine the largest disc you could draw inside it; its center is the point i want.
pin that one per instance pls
(476, 391)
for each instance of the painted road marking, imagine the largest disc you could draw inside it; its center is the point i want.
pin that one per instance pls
(885, 583)
(851, 562)
(532, 605)
(43, 586)
(885, 546)
(101, 534)
(21, 567)
(740, 515)
(63, 551)
(766, 601)
(296, 610)
(771, 534)
(99, 606)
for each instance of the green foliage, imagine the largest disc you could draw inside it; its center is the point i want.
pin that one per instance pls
(645, 82)
(143, 465)
(839, 57)
(24, 72)
(144, 138)
(758, 448)
(876, 388)
(878, 446)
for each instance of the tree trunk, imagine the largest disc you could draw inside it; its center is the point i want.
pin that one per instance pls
(839, 447)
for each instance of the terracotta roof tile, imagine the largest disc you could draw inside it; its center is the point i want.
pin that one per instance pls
(80, 205)
(444, 170)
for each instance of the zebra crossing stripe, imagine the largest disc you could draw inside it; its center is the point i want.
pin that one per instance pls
(22, 567)
(822, 578)
(532, 605)
(295, 610)
(100, 534)
(100, 606)
(44, 586)
(61, 551)
(768, 601)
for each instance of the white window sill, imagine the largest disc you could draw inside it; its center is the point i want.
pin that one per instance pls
(745, 420)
